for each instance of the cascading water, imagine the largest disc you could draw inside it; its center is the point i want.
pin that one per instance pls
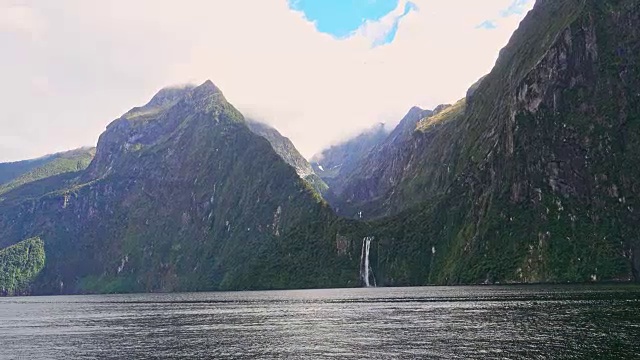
(365, 268)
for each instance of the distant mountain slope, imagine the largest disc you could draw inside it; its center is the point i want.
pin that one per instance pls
(12, 170)
(288, 152)
(24, 172)
(376, 173)
(336, 162)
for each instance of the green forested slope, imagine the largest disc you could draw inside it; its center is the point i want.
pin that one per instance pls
(181, 195)
(14, 175)
(534, 182)
(20, 264)
(530, 178)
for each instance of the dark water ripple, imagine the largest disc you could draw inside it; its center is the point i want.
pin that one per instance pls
(510, 322)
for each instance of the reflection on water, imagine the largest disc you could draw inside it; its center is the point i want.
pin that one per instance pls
(431, 322)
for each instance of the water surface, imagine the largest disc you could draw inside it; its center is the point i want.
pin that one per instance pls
(489, 322)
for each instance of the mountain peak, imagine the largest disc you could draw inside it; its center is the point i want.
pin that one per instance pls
(205, 96)
(206, 88)
(409, 121)
(169, 94)
(440, 108)
(208, 84)
(414, 111)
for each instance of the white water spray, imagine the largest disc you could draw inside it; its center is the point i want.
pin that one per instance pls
(365, 268)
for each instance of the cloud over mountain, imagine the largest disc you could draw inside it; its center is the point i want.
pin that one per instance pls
(71, 67)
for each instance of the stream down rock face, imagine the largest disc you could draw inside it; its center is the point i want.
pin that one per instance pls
(533, 178)
(181, 195)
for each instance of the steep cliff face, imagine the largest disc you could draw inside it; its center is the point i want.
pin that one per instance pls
(530, 178)
(181, 195)
(536, 166)
(288, 152)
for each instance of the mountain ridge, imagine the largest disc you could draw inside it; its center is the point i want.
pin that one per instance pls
(26, 172)
(512, 199)
(333, 164)
(228, 191)
(524, 180)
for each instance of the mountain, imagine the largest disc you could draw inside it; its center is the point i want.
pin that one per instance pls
(12, 170)
(530, 179)
(288, 152)
(180, 195)
(15, 174)
(335, 163)
(375, 172)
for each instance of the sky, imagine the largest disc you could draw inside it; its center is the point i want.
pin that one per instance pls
(317, 70)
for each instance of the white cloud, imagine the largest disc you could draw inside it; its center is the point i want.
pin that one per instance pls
(20, 19)
(99, 59)
(378, 30)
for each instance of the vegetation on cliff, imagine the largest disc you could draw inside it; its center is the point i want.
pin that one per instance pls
(530, 181)
(14, 175)
(530, 178)
(20, 264)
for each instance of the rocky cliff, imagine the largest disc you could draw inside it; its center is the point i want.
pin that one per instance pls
(181, 195)
(529, 179)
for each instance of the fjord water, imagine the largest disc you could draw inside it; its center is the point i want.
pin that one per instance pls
(578, 322)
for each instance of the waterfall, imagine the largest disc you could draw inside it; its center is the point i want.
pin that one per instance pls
(365, 267)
